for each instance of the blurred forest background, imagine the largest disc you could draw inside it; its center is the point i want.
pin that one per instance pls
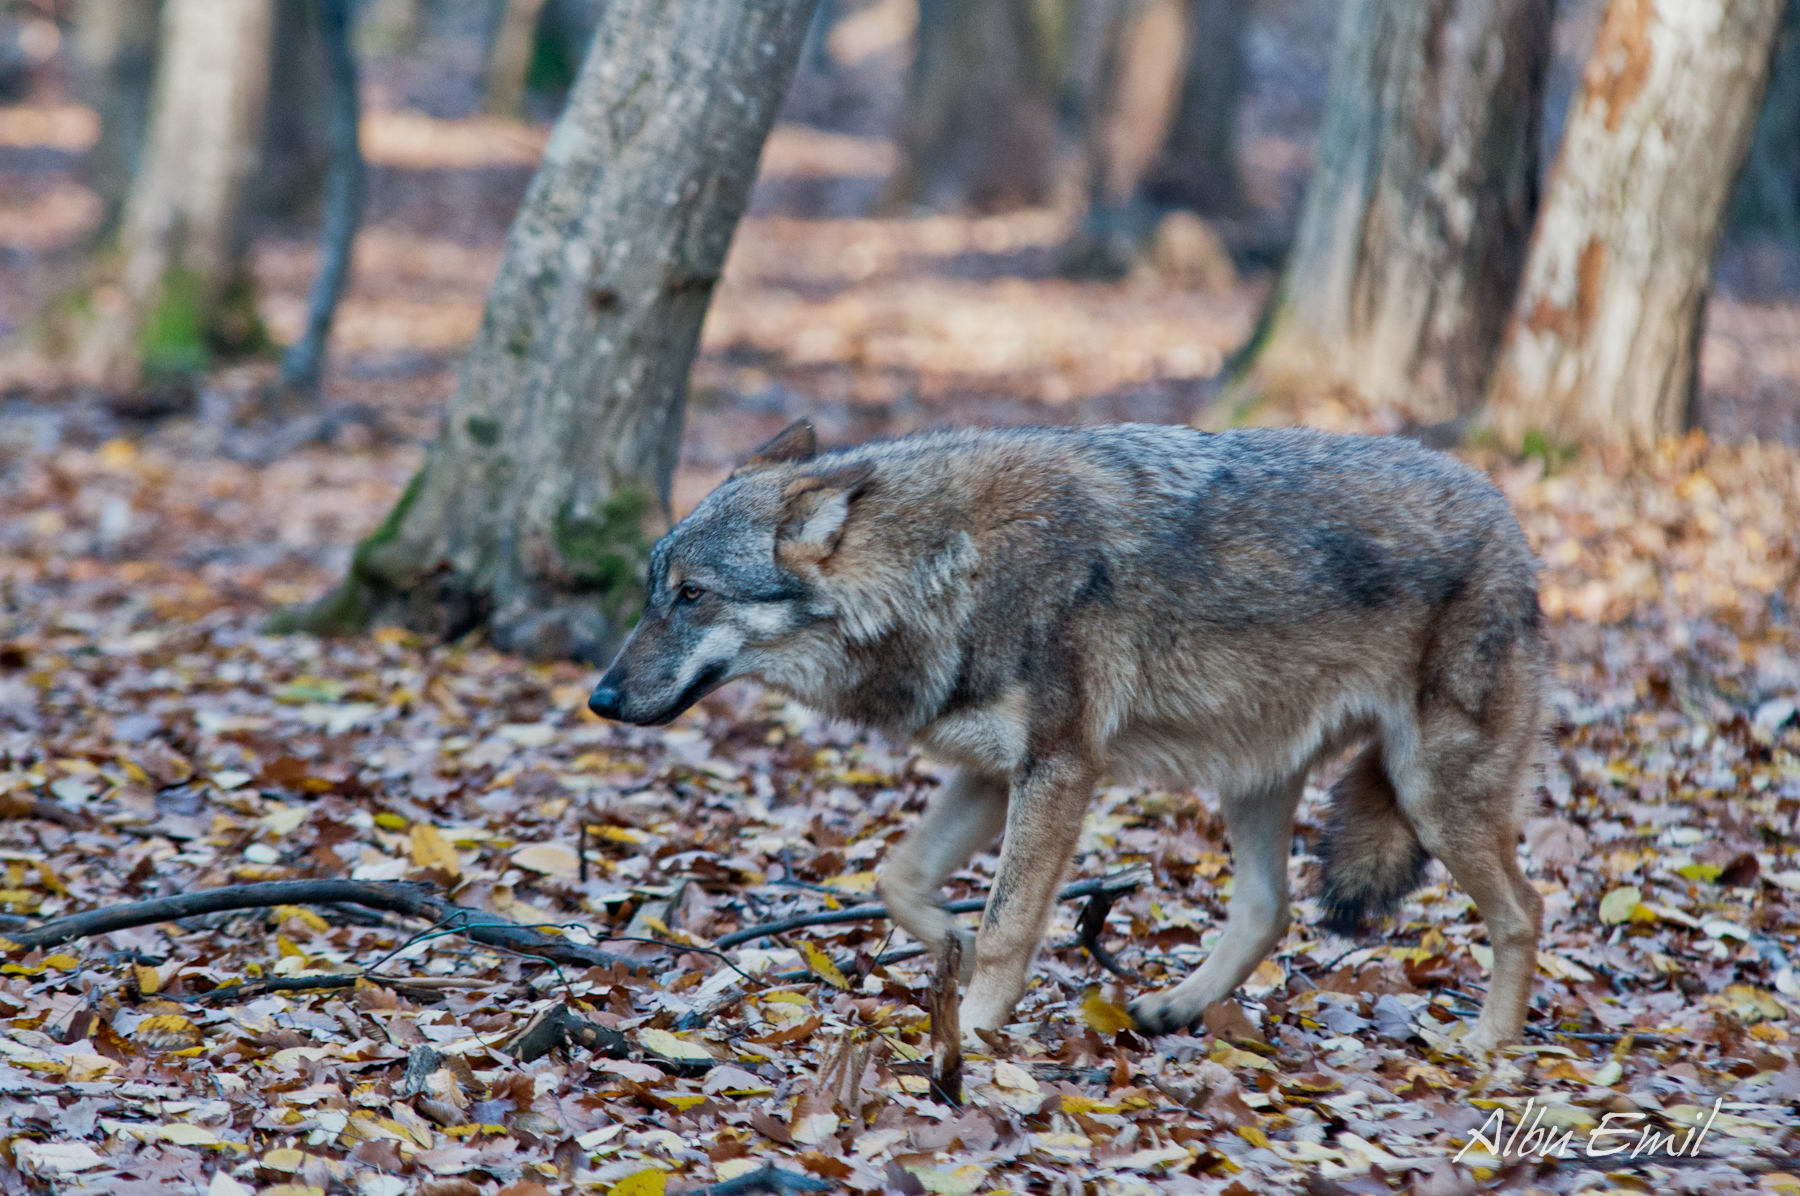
(1003, 212)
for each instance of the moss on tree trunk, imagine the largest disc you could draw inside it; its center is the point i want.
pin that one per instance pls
(536, 507)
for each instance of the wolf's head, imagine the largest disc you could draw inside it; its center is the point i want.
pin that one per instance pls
(732, 586)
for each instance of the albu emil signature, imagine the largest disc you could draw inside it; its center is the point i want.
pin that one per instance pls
(1531, 1138)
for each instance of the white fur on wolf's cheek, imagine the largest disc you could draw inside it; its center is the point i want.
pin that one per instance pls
(762, 618)
(720, 643)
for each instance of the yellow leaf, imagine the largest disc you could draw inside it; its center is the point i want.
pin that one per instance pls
(312, 920)
(552, 859)
(682, 1100)
(431, 850)
(960, 1182)
(1230, 1056)
(1253, 1136)
(669, 1046)
(1704, 873)
(1618, 905)
(387, 820)
(648, 1182)
(1086, 1104)
(167, 1032)
(820, 965)
(286, 946)
(148, 979)
(1102, 1015)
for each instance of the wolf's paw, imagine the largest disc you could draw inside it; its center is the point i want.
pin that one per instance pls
(1157, 1014)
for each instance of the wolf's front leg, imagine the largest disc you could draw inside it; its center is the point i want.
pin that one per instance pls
(1043, 822)
(962, 819)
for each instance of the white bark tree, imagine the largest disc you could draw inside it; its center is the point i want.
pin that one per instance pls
(1604, 337)
(1418, 212)
(177, 257)
(551, 476)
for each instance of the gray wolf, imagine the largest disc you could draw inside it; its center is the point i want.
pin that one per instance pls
(1045, 607)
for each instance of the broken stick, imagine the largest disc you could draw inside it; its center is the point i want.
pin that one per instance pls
(946, 1024)
(395, 896)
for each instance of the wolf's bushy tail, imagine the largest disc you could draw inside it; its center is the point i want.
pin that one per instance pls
(1372, 858)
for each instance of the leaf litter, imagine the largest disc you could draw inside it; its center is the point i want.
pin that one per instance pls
(154, 742)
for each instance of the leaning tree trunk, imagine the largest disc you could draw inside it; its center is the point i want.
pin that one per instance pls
(1198, 167)
(178, 289)
(981, 127)
(551, 475)
(115, 61)
(1418, 212)
(1604, 338)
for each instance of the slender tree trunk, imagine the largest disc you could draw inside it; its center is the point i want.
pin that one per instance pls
(1134, 90)
(115, 61)
(344, 193)
(1417, 216)
(389, 26)
(1603, 342)
(1768, 193)
(176, 292)
(297, 144)
(537, 504)
(982, 128)
(510, 62)
(1198, 167)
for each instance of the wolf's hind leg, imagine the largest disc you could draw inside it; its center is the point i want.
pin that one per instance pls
(1261, 825)
(964, 817)
(1462, 790)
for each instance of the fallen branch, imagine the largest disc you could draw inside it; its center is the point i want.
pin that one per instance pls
(395, 896)
(1112, 887)
(558, 1027)
(289, 984)
(1093, 921)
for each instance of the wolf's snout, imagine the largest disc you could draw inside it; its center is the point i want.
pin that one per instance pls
(607, 700)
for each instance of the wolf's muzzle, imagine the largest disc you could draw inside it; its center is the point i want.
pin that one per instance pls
(607, 701)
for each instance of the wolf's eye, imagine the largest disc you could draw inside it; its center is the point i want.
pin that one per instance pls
(689, 592)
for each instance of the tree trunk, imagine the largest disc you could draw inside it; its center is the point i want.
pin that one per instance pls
(551, 476)
(1134, 90)
(510, 61)
(115, 60)
(344, 193)
(389, 27)
(981, 127)
(1604, 337)
(1768, 194)
(1417, 215)
(1198, 166)
(178, 291)
(297, 144)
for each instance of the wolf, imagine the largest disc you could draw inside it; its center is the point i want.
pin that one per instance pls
(1047, 607)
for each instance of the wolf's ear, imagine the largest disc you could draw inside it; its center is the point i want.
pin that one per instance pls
(796, 442)
(814, 510)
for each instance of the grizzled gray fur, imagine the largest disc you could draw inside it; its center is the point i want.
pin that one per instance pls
(1048, 607)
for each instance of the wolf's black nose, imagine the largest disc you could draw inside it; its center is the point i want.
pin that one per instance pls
(606, 701)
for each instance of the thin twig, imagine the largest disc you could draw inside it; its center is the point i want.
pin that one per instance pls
(946, 1024)
(1116, 884)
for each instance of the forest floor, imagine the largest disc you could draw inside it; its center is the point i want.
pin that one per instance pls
(154, 742)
